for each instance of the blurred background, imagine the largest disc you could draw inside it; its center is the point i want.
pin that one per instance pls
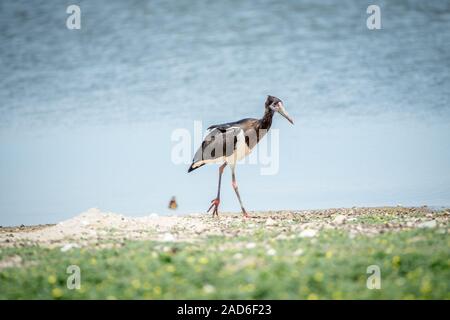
(86, 115)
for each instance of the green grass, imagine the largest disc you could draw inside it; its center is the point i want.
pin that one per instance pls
(414, 265)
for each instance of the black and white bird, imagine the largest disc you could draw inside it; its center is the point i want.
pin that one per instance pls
(228, 143)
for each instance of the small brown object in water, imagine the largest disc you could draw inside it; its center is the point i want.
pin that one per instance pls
(173, 203)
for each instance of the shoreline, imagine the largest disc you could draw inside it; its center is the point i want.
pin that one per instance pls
(32, 227)
(97, 228)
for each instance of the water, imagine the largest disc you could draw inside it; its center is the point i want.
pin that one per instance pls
(86, 116)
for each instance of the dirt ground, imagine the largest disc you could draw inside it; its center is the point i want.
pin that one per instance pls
(96, 228)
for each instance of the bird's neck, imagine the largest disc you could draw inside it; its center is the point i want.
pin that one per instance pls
(266, 120)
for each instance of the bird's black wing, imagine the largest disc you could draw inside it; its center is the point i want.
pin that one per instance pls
(224, 126)
(220, 142)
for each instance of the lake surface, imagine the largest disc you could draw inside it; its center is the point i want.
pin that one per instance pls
(87, 116)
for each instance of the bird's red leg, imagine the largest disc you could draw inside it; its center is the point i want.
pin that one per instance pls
(215, 202)
(235, 187)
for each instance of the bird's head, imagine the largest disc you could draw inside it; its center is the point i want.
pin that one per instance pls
(276, 105)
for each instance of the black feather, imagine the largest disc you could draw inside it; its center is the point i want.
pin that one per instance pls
(191, 168)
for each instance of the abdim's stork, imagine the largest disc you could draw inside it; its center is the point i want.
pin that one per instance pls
(230, 142)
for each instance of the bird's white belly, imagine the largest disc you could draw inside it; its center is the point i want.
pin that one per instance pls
(241, 150)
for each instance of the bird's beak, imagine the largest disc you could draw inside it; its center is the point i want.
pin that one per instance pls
(281, 110)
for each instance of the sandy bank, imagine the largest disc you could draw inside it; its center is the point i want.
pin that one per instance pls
(96, 228)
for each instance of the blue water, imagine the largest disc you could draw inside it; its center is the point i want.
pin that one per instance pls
(86, 116)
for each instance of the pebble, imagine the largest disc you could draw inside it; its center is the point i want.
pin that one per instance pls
(68, 246)
(250, 245)
(339, 219)
(308, 233)
(168, 237)
(428, 224)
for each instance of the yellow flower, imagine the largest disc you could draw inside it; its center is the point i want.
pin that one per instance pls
(313, 296)
(303, 290)
(329, 254)
(146, 285)
(247, 288)
(136, 284)
(57, 293)
(51, 279)
(318, 276)
(426, 287)
(157, 290)
(93, 261)
(203, 260)
(337, 295)
(396, 261)
(148, 296)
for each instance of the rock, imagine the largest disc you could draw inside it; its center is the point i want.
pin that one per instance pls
(308, 233)
(68, 246)
(298, 252)
(270, 222)
(428, 224)
(271, 252)
(250, 245)
(339, 219)
(168, 237)
(281, 236)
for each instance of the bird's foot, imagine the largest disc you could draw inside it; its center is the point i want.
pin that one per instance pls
(215, 207)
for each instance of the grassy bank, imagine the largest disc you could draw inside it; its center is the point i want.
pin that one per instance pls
(303, 255)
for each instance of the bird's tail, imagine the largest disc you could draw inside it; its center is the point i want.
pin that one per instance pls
(193, 167)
